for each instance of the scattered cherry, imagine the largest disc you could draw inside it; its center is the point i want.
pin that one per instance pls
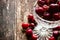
(57, 28)
(32, 25)
(30, 18)
(52, 38)
(55, 33)
(25, 25)
(34, 37)
(29, 32)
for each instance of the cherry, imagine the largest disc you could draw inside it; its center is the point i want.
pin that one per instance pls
(56, 16)
(46, 16)
(29, 32)
(52, 38)
(39, 10)
(41, 2)
(55, 33)
(57, 28)
(25, 25)
(32, 25)
(54, 8)
(45, 7)
(30, 18)
(34, 37)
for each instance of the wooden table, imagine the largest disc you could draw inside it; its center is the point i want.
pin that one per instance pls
(24, 7)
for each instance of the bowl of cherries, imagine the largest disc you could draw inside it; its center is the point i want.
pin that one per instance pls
(48, 10)
(43, 24)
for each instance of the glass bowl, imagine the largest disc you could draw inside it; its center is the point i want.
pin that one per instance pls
(44, 27)
(38, 19)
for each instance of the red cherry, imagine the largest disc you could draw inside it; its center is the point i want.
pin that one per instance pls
(52, 38)
(54, 8)
(30, 18)
(58, 28)
(34, 37)
(45, 7)
(41, 2)
(32, 25)
(39, 10)
(25, 25)
(29, 32)
(56, 16)
(55, 33)
(46, 16)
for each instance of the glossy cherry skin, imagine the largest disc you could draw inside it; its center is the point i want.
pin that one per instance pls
(56, 16)
(52, 38)
(41, 2)
(32, 25)
(34, 37)
(54, 8)
(29, 32)
(55, 33)
(30, 18)
(46, 16)
(25, 25)
(39, 10)
(45, 7)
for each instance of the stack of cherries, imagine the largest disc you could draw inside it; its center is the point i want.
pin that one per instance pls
(28, 28)
(48, 9)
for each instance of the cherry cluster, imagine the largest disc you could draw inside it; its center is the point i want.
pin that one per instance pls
(48, 9)
(28, 27)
